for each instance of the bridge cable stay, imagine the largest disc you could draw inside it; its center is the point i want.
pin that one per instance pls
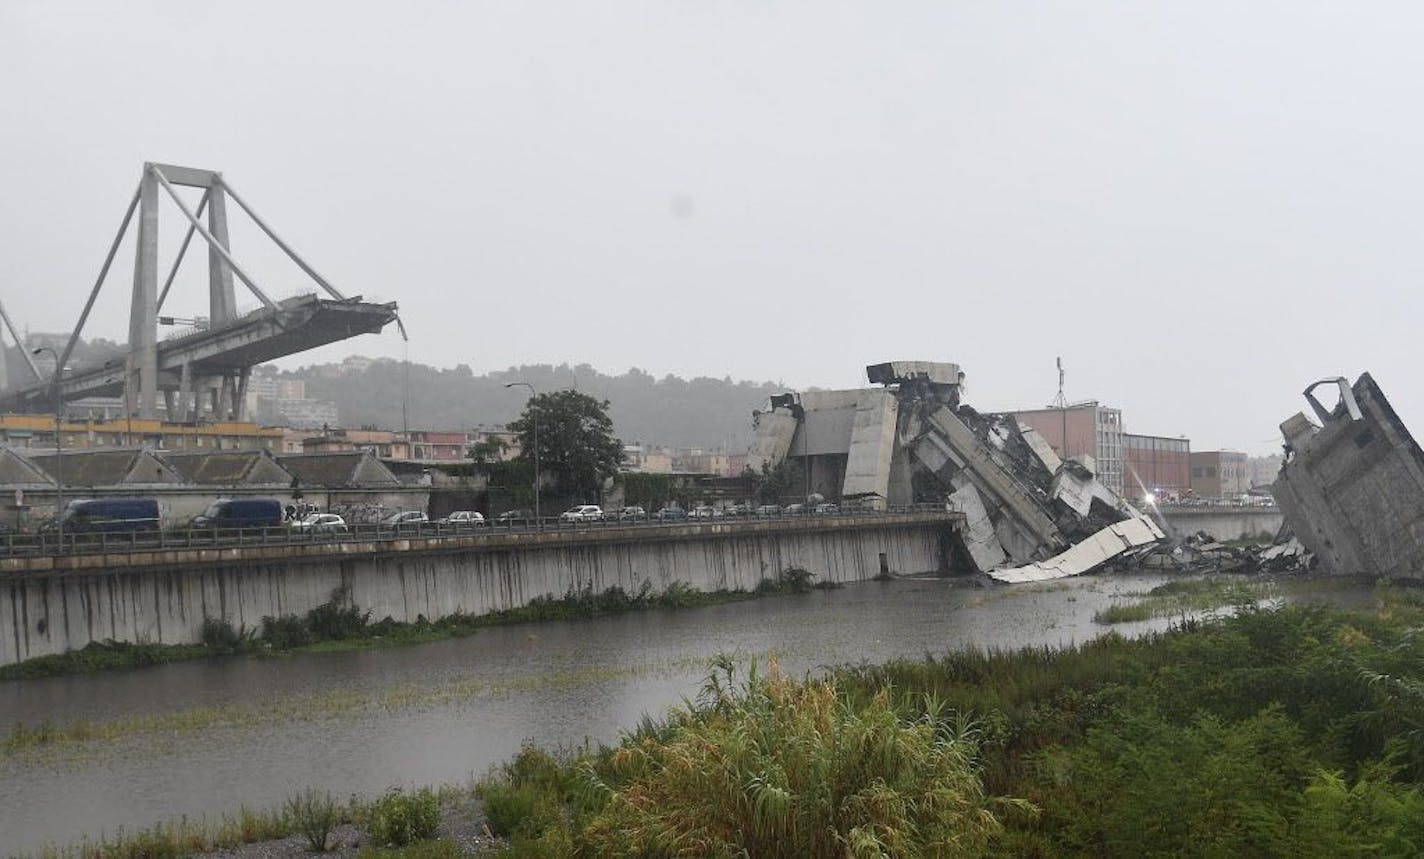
(301, 263)
(213, 242)
(19, 344)
(183, 249)
(103, 273)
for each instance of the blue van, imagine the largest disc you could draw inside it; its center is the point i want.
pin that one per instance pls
(241, 513)
(111, 514)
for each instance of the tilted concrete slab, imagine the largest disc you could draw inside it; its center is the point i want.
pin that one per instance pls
(1089, 554)
(872, 446)
(774, 431)
(1353, 490)
(978, 532)
(951, 441)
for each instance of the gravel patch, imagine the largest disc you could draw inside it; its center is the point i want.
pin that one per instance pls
(462, 821)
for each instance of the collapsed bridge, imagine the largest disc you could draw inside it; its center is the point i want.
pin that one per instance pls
(206, 370)
(1029, 514)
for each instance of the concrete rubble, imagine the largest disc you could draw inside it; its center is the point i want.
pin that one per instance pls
(1029, 514)
(1351, 488)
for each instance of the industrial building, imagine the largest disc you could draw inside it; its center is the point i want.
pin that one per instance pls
(1083, 429)
(1157, 466)
(1220, 473)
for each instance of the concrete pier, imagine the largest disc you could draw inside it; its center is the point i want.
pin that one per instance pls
(50, 606)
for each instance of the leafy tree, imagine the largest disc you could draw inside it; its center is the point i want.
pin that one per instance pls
(488, 450)
(575, 441)
(773, 483)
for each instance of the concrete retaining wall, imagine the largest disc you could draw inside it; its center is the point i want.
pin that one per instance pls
(166, 600)
(1224, 523)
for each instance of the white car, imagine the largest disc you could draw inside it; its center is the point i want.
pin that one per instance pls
(463, 519)
(582, 513)
(321, 523)
(406, 519)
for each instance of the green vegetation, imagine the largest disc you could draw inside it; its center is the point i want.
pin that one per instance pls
(339, 625)
(1297, 731)
(315, 815)
(396, 824)
(399, 819)
(574, 438)
(1182, 597)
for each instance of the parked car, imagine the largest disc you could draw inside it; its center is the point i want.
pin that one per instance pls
(670, 513)
(632, 514)
(825, 509)
(405, 519)
(582, 513)
(109, 515)
(738, 510)
(510, 518)
(794, 509)
(240, 513)
(320, 523)
(705, 511)
(768, 510)
(463, 519)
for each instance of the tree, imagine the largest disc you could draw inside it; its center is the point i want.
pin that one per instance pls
(488, 450)
(576, 443)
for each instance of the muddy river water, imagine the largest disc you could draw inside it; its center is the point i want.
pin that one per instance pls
(205, 738)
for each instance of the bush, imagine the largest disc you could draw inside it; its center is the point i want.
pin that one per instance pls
(398, 819)
(792, 580)
(338, 618)
(523, 797)
(220, 637)
(315, 815)
(285, 632)
(779, 768)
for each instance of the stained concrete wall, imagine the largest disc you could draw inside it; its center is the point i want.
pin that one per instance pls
(163, 601)
(1224, 523)
(1353, 490)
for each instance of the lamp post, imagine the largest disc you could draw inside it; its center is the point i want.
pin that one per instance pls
(534, 418)
(54, 380)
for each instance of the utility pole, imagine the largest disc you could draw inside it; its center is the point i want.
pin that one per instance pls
(534, 418)
(1061, 402)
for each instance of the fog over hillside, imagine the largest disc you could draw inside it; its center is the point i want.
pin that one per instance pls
(670, 410)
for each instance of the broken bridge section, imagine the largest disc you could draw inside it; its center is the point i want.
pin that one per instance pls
(1352, 487)
(1028, 514)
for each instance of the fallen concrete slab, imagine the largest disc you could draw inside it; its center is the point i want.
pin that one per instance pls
(1089, 554)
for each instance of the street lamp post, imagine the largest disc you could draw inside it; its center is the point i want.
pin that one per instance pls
(534, 418)
(54, 381)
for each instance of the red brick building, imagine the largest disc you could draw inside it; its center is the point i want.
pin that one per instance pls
(1157, 465)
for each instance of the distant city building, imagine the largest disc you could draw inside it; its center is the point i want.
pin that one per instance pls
(1220, 473)
(1157, 465)
(641, 458)
(1083, 428)
(37, 431)
(304, 413)
(437, 446)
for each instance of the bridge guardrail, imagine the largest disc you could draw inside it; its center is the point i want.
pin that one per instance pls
(48, 544)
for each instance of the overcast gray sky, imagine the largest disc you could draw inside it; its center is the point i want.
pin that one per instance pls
(1200, 206)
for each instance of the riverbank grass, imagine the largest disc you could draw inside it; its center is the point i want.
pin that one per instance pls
(1184, 597)
(1270, 732)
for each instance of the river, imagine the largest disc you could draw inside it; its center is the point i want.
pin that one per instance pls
(204, 738)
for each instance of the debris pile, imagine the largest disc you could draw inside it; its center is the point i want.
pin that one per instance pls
(1029, 514)
(1201, 553)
